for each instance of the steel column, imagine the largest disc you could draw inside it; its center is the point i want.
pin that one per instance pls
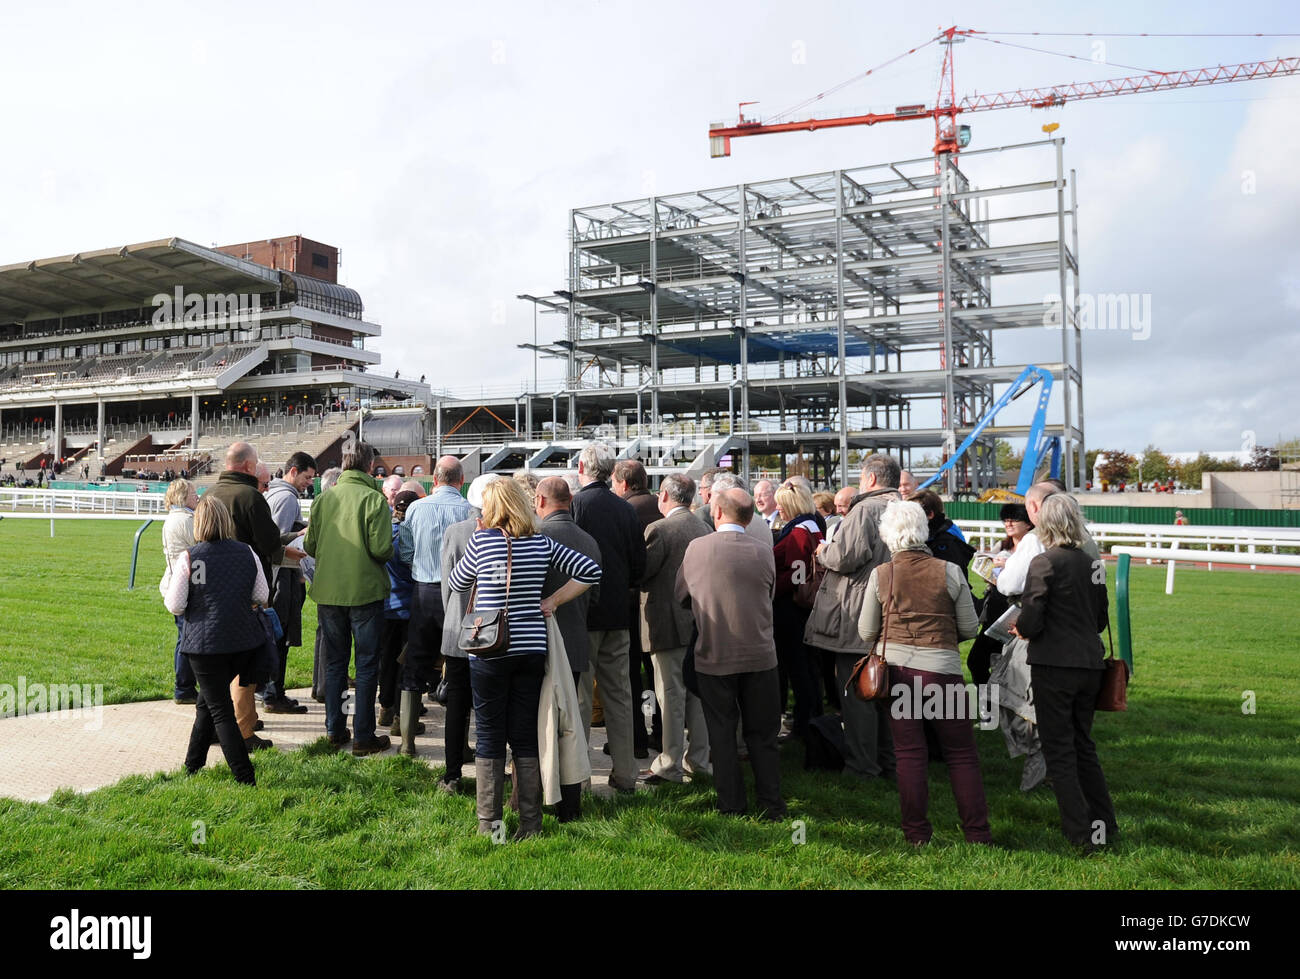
(654, 317)
(1067, 440)
(744, 333)
(949, 400)
(1078, 333)
(842, 378)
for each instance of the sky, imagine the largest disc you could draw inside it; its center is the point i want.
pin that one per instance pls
(441, 147)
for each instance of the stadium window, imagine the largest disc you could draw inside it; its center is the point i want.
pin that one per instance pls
(319, 261)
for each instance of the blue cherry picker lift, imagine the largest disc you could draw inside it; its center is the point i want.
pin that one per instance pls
(1037, 446)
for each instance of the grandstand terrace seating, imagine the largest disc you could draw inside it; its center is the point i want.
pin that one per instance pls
(154, 365)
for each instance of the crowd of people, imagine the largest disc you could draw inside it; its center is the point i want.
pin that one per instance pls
(543, 606)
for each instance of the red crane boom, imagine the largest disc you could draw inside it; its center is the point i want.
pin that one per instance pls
(944, 114)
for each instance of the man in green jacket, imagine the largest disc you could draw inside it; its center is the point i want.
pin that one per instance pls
(351, 537)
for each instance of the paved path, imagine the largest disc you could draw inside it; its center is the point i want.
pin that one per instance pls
(40, 753)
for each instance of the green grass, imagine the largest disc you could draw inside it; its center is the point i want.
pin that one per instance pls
(1207, 796)
(68, 617)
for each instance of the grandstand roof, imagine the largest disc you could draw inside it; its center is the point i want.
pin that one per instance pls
(123, 277)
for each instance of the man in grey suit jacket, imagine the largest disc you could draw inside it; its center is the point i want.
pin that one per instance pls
(707, 477)
(669, 626)
(728, 578)
(552, 503)
(757, 527)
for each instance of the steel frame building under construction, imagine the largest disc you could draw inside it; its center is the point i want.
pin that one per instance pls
(810, 315)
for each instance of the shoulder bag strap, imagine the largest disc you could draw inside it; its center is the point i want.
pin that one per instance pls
(884, 627)
(508, 568)
(473, 589)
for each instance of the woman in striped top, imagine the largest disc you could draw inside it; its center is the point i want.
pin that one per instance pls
(508, 686)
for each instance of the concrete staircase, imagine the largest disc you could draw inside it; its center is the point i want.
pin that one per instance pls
(275, 445)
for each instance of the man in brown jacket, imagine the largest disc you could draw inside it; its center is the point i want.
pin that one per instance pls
(833, 625)
(668, 627)
(728, 578)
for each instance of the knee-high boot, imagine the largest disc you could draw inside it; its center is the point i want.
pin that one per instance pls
(489, 777)
(528, 779)
(410, 721)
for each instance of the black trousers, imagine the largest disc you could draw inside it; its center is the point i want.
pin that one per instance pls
(751, 698)
(460, 700)
(216, 712)
(288, 595)
(977, 660)
(274, 687)
(391, 643)
(424, 638)
(825, 659)
(636, 659)
(799, 665)
(1064, 700)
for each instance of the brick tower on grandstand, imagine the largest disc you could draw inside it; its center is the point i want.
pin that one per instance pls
(151, 356)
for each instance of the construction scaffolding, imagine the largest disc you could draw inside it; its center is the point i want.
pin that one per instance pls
(811, 316)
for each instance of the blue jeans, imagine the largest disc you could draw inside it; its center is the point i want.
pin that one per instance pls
(340, 625)
(507, 692)
(185, 682)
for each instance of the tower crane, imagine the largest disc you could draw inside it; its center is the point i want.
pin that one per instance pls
(951, 136)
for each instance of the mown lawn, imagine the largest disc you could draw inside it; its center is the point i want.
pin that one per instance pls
(1207, 796)
(68, 617)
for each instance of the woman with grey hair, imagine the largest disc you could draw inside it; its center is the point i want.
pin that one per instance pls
(178, 537)
(1062, 609)
(916, 610)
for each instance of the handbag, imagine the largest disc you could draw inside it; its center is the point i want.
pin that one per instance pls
(1113, 694)
(259, 666)
(870, 678)
(486, 633)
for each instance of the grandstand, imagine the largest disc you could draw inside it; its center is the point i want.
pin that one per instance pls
(157, 355)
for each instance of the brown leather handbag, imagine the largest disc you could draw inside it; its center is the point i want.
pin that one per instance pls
(487, 633)
(1113, 694)
(870, 678)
